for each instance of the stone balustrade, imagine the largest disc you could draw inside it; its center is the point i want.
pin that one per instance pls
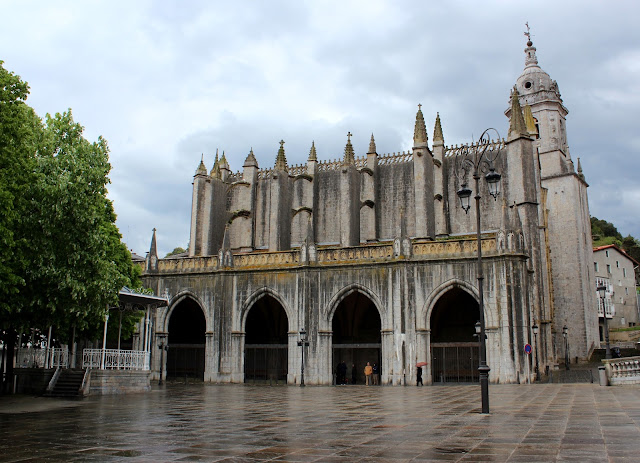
(623, 370)
(329, 256)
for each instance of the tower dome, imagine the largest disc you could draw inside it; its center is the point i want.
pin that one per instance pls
(535, 85)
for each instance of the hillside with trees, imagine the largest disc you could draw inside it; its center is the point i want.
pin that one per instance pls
(605, 233)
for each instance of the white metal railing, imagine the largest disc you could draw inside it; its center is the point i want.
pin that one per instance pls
(115, 359)
(53, 357)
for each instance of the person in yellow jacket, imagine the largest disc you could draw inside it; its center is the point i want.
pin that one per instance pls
(367, 374)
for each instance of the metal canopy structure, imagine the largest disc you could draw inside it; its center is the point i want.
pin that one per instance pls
(128, 300)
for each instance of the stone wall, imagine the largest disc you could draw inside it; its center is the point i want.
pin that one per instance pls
(107, 382)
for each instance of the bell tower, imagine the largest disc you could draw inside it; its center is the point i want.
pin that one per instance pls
(564, 209)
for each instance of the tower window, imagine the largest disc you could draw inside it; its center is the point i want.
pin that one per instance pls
(528, 85)
(608, 268)
(595, 264)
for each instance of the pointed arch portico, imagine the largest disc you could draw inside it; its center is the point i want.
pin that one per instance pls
(354, 324)
(240, 322)
(341, 295)
(182, 330)
(450, 334)
(174, 302)
(263, 341)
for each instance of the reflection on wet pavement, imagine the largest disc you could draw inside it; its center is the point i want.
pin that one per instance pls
(238, 423)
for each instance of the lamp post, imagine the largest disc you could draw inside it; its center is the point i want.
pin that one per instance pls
(535, 329)
(479, 157)
(602, 291)
(162, 348)
(303, 342)
(565, 332)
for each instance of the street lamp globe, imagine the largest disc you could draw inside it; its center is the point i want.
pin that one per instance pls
(464, 193)
(535, 329)
(565, 331)
(493, 181)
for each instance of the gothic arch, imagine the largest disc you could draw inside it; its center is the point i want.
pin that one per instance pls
(423, 318)
(335, 301)
(253, 298)
(175, 301)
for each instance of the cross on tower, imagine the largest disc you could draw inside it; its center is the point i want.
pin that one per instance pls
(349, 137)
(281, 143)
(528, 33)
(419, 107)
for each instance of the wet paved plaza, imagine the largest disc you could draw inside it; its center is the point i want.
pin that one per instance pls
(238, 423)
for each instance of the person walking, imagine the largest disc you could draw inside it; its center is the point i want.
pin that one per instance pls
(368, 370)
(419, 382)
(376, 375)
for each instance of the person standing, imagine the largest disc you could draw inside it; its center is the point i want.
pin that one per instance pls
(367, 374)
(376, 375)
(343, 372)
(419, 382)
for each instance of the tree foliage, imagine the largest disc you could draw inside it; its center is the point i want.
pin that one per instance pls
(177, 250)
(20, 130)
(63, 261)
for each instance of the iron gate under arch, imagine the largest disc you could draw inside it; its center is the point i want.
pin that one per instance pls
(455, 362)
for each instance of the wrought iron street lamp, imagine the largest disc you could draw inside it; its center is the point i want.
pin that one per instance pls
(163, 347)
(474, 159)
(535, 329)
(303, 342)
(565, 333)
(602, 291)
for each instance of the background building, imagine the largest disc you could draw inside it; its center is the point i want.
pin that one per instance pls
(616, 270)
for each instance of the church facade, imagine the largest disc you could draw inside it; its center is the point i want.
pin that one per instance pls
(374, 259)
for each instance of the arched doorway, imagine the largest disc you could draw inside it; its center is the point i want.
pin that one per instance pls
(357, 337)
(266, 351)
(187, 326)
(454, 346)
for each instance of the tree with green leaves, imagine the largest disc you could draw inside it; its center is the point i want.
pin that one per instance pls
(20, 133)
(63, 261)
(177, 250)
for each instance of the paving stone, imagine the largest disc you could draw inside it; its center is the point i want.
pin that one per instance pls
(248, 424)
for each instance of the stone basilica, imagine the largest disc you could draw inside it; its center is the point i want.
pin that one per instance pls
(375, 259)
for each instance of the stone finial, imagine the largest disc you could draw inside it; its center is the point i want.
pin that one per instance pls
(529, 121)
(580, 174)
(281, 159)
(437, 131)
(251, 160)
(223, 162)
(202, 169)
(517, 127)
(312, 152)
(215, 170)
(372, 146)
(151, 262)
(420, 130)
(153, 249)
(349, 155)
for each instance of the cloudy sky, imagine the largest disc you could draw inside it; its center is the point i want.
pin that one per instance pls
(165, 82)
